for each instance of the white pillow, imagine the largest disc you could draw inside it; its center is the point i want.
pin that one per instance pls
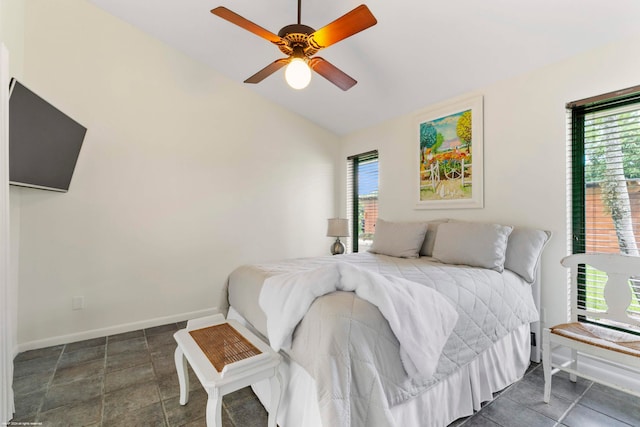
(474, 244)
(398, 239)
(430, 237)
(524, 250)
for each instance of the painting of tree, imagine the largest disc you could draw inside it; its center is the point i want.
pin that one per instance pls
(463, 128)
(428, 135)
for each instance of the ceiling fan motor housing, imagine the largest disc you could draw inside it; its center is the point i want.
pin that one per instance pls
(297, 36)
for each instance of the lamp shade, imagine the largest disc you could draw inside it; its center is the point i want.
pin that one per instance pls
(338, 227)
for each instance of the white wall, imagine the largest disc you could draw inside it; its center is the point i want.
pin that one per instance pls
(12, 32)
(183, 176)
(524, 152)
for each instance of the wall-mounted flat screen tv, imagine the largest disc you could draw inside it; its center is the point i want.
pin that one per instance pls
(44, 143)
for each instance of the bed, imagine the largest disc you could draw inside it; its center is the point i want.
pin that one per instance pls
(345, 363)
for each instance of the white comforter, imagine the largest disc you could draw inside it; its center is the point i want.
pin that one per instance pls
(489, 304)
(421, 320)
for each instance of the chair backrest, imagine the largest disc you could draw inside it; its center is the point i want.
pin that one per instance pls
(617, 292)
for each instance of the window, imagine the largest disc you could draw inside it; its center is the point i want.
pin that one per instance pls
(362, 199)
(605, 187)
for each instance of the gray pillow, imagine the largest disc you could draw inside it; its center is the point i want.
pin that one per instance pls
(471, 243)
(524, 250)
(398, 239)
(430, 237)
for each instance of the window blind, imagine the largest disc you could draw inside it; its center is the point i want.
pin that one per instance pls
(604, 187)
(362, 199)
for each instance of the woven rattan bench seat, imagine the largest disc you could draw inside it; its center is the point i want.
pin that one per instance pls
(599, 336)
(223, 345)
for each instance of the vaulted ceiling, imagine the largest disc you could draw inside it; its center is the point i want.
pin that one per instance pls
(420, 52)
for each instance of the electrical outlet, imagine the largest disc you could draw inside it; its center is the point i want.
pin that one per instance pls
(77, 303)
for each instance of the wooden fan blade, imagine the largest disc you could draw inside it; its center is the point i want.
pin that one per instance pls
(347, 25)
(267, 71)
(256, 29)
(332, 73)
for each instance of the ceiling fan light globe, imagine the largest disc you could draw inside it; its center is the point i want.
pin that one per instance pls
(297, 74)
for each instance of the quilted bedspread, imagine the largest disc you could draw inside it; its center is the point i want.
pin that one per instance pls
(348, 347)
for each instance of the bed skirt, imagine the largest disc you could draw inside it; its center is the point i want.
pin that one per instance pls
(459, 395)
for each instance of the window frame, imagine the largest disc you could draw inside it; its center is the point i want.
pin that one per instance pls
(577, 112)
(352, 184)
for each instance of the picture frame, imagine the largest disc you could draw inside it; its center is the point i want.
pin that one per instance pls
(448, 155)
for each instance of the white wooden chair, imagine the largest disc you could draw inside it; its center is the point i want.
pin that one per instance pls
(612, 346)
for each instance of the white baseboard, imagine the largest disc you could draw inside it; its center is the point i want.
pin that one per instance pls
(112, 330)
(599, 369)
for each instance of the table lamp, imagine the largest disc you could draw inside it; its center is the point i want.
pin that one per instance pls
(338, 227)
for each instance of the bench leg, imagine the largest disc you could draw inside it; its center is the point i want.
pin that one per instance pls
(276, 393)
(546, 365)
(183, 375)
(574, 365)
(214, 408)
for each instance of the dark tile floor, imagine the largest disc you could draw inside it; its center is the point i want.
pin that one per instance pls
(130, 380)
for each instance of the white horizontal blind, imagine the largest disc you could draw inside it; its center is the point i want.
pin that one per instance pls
(362, 199)
(605, 188)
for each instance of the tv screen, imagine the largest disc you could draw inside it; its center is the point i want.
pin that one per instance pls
(44, 143)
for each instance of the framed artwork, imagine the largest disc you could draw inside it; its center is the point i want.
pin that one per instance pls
(448, 155)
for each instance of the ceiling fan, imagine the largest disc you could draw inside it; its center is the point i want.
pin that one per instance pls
(300, 43)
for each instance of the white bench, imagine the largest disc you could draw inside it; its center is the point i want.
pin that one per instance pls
(233, 376)
(616, 347)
